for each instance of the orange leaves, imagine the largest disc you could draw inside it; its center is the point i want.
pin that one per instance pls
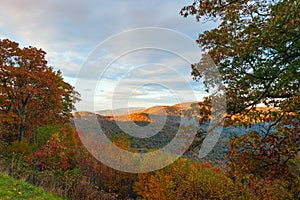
(52, 156)
(185, 180)
(31, 89)
(207, 165)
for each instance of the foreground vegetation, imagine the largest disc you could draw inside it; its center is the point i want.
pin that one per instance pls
(15, 189)
(256, 50)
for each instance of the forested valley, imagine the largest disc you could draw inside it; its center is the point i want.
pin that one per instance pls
(256, 49)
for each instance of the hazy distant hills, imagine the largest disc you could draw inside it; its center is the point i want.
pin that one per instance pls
(120, 111)
(153, 117)
(171, 110)
(142, 115)
(176, 109)
(165, 121)
(163, 124)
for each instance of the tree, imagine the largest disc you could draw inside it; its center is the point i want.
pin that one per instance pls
(31, 93)
(256, 48)
(56, 148)
(186, 180)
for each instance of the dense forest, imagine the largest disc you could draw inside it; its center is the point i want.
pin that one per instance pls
(256, 49)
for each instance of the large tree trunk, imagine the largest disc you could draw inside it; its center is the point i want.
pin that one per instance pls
(22, 128)
(23, 119)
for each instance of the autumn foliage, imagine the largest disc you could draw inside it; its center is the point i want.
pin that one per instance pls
(57, 150)
(255, 48)
(31, 93)
(187, 180)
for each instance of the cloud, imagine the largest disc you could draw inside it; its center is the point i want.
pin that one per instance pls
(70, 30)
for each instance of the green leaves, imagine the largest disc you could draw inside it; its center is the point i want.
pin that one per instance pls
(256, 48)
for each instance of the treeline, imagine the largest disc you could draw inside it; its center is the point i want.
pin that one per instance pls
(256, 51)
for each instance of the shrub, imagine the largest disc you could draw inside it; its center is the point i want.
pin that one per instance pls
(186, 180)
(20, 147)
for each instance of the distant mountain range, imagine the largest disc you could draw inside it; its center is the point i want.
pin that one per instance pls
(120, 111)
(123, 114)
(152, 110)
(110, 122)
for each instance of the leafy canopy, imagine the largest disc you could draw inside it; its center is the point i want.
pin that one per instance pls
(31, 93)
(256, 48)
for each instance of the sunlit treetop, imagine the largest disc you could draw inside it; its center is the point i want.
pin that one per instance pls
(256, 48)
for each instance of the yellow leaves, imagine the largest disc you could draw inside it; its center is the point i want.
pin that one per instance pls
(255, 115)
(185, 180)
(20, 147)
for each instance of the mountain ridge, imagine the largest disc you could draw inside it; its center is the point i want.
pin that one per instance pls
(142, 114)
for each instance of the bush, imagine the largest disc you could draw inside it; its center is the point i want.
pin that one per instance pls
(186, 180)
(20, 147)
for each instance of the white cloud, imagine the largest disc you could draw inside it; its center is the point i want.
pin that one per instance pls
(69, 30)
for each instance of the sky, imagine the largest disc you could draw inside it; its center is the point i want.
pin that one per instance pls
(107, 50)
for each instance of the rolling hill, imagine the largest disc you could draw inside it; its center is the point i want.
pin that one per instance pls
(162, 124)
(120, 111)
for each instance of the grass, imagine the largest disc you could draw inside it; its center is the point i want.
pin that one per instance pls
(15, 189)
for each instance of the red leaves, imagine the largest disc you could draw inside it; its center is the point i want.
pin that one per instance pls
(31, 90)
(210, 166)
(207, 165)
(51, 157)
